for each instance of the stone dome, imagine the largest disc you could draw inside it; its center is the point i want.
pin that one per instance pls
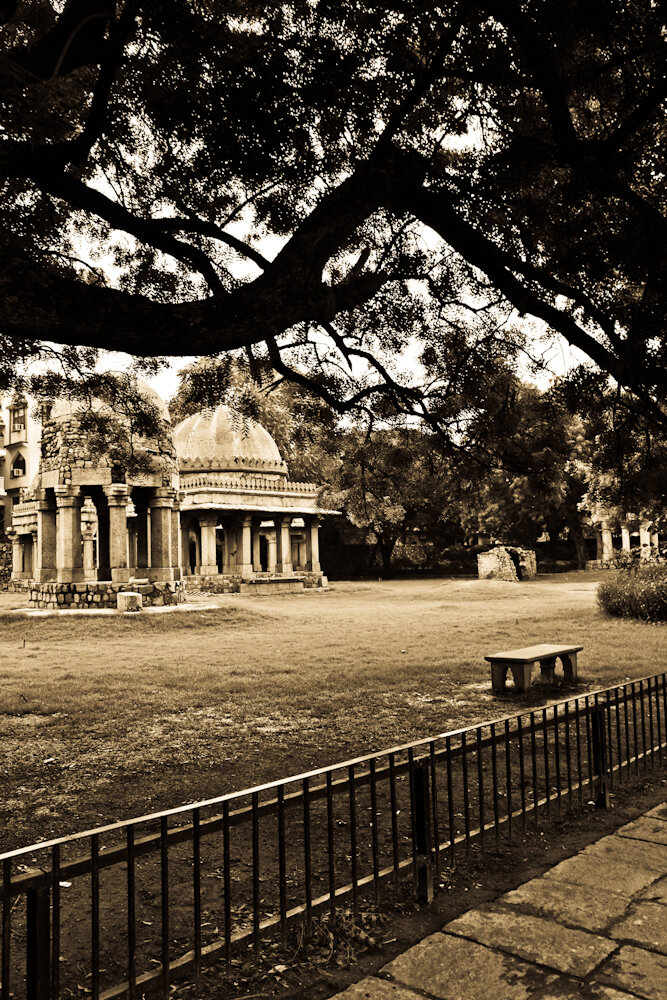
(222, 440)
(63, 409)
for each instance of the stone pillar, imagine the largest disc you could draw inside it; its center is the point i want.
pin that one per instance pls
(176, 551)
(227, 538)
(207, 523)
(598, 545)
(118, 495)
(245, 560)
(161, 504)
(44, 548)
(303, 552)
(17, 553)
(607, 543)
(271, 551)
(69, 553)
(284, 546)
(313, 545)
(89, 568)
(625, 536)
(186, 568)
(256, 549)
(132, 546)
(644, 541)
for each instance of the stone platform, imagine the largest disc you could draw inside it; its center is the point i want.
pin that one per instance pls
(102, 594)
(594, 927)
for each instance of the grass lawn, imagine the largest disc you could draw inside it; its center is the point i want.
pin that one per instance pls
(104, 717)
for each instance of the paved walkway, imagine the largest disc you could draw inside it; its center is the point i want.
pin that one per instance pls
(592, 928)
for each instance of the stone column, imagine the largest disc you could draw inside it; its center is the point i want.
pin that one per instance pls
(644, 541)
(607, 543)
(161, 504)
(89, 568)
(17, 553)
(284, 546)
(227, 538)
(598, 545)
(655, 543)
(176, 552)
(245, 560)
(313, 544)
(271, 551)
(625, 536)
(44, 549)
(207, 523)
(69, 554)
(256, 549)
(118, 495)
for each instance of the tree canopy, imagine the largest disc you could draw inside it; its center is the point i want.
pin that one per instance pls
(324, 184)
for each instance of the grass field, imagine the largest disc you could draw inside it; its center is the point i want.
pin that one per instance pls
(102, 718)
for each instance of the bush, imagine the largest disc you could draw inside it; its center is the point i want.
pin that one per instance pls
(636, 593)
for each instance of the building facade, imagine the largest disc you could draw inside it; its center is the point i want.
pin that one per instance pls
(212, 507)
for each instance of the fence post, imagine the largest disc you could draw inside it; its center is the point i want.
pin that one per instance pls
(599, 741)
(421, 826)
(38, 934)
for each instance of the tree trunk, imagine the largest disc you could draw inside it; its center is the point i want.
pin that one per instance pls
(386, 548)
(577, 535)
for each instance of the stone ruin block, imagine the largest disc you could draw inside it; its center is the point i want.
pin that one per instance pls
(507, 562)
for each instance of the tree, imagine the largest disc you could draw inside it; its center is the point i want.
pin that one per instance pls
(392, 482)
(174, 136)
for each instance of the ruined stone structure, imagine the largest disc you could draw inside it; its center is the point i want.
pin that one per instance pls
(213, 505)
(507, 562)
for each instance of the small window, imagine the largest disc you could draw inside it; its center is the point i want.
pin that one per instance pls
(18, 466)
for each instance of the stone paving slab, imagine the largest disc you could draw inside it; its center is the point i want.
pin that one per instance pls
(534, 939)
(645, 924)
(646, 828)
(587, 870)
(575, 905)
(631, 852)
(660, 811)
(572, 989)
(450, 968)
(642, 972)
(656, 892)
(380, 989)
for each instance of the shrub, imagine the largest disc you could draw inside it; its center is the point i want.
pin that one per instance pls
(636, 593)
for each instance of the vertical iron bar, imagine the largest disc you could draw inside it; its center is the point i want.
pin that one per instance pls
(196, 888)
(600, 755)
(353, 840)
(411, 776)
(494, 776)
(580, 774)
(394, 815)
(434, 800)
(658, 723)
(559, 790)
(522, 773)
(6, 927)
(307, 858)
(480, 786)
(650, 723)
(466, 798)
(374, 830)
(642, 712)
(227, 880)
(591, 769)
(568, 754)
(635, 727)
(38, 957)
(533, 753)
(282, 866)
(628, 753)
(421, 826)
(619, 743)
(331, 849)
(95, 915)
(664, 703)
(164, 900)
(545, 748)
(55, 923)
(450, 799)
(131, 916)
(254, 806)
(610, 743)
(508, 779)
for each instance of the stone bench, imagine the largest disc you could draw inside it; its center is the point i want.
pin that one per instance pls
(522, 661)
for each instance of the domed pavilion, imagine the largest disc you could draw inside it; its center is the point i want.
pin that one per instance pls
(242, 519)
(210, 504)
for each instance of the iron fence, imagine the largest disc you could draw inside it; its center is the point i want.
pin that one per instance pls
(122, 908)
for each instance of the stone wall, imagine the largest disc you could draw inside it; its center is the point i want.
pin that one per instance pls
(231, 584)
(95, 595)
(501, 563)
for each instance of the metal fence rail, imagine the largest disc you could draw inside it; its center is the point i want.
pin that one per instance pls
(124, 906)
